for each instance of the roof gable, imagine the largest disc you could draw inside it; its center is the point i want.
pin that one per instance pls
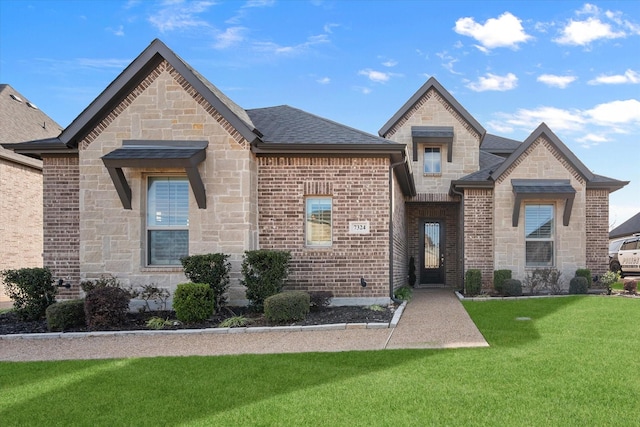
(543, 130)
(432, 83)
(627, 228)
(137, 71)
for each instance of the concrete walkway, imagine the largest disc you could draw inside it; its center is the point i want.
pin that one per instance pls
(433, 319)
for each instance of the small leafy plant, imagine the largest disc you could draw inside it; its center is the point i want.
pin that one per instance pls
(287, 306)
(376, 307)
(193, 302)
(159, 296)
(234, 322)
(319, 300)
(403, 293)
(158, 323)
(472, 282)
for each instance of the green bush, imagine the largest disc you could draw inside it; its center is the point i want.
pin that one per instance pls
(31, 289)
(586, 273)
(499, 276)
(512, 288)
(608, 279)
(193, 302)
(65, 315)
(319, 300)
(404, 293)
(472, 282)
(578, 285)
(106, 307)
(212, 269)
(286, 306)
(264, 273)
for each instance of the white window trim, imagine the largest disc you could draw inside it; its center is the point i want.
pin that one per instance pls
(146, 250)
(552, 239)
(307, 243)
(424, 152)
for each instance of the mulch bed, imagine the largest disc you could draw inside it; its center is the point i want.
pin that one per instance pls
(11, 324)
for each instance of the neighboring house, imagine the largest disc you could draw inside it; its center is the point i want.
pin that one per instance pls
(20, 182)
(162, 164)
(626, 229)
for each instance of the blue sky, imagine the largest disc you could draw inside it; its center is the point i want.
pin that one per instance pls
(512, 65)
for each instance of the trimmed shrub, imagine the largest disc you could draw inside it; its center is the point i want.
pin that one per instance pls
(472, 282)
(404, 293)
(319, 300)
(586, 273)
(578, 285)
(286, 306)
(264, 273)
(630, 286)
(31, 289)
(499, 276)
(193, 302)
(512, 288)
(212, 269)
(106, 307)
(65, 315)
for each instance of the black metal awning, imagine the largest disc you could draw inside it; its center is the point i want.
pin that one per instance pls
(157, 154)
(432, 135)
(546, 189)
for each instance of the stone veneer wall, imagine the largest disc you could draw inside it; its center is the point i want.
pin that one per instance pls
(165, 107)
(541, 161)
(20, 217)
(61, 221)
(597, 229)
(478, 233)
(447, 212)
(433, 110)
(359, 188)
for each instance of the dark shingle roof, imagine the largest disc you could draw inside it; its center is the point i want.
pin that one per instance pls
(627, 228)
(499, 145)
(488, 160)
(288, 125)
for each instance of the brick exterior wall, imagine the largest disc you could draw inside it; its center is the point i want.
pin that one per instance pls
(449, 213)
(478, 233)
(21, 217)
(400, 241)
(359, 188)
(597, 229)
(61, 221)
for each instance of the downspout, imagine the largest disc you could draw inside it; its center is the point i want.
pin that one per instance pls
(391, 197)
(461, 234)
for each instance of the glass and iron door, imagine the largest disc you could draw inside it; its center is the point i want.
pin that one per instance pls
(432, 254)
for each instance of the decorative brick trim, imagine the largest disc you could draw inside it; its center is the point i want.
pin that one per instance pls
(434, 197)
(318, 188)
(432, 93)
(138, 90)
(554, 152)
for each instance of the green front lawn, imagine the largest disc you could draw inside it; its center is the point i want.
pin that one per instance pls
(575, 362)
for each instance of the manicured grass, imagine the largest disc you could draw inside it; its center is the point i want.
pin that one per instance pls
(574, 363)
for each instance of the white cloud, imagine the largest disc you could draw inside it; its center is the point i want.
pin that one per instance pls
(499, 127)
(494, 82)
(328, 28)
(556, 118)
(504, 31)
(616, 113)
(390, 63)
(324, 80)
(276, 49)
(363, 90)
(375, 76)
(117, 31)
(179, 15)
(629, 76)
(556, 81)
(231, 36)
(448, 61)
(582, 33)
(102, 63)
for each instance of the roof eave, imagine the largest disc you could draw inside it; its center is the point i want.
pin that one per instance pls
(611, 186)
(130, 77)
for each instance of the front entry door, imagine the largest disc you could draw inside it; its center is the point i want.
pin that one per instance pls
(432, 244)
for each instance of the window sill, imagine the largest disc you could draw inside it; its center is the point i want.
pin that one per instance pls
(432, 174)
(162, 269)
